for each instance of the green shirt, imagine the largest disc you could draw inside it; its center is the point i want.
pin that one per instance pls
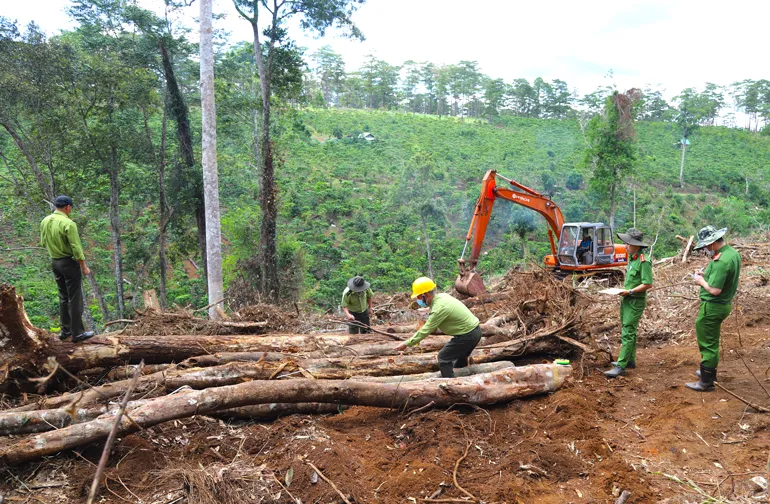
(722, 273)
(356, 301)
(638, 272)
(59, 235)
(448, 315)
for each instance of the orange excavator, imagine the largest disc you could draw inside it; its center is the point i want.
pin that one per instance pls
(585, 248)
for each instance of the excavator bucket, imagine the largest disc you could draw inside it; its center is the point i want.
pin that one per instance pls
(470, 283)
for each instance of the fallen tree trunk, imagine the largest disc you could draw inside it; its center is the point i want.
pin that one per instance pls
(45, 420)
(275, 410)
(486, 330)
(459, 373)
(25, 422)
(430, 343)
(336, 368)
(489, 388)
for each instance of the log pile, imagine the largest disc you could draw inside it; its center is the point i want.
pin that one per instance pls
(263, 376)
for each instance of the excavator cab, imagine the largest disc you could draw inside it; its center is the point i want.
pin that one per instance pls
(584, 244)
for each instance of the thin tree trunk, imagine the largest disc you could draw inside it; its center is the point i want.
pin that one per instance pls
(427, 246)
(45, 187)
(612, 206)
(115, 229)
(209, 161)
(180, 112)
(268, 191)
(99, 297)
(681, 167)
(164, 215)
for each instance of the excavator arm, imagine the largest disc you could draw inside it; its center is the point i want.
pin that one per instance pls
(470, 282)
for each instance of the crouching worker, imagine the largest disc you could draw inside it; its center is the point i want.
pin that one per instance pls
(451, 317)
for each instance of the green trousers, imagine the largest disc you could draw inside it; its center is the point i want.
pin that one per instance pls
(631, 310)
(708, 329)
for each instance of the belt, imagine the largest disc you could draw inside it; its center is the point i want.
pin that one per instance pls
(716, 301)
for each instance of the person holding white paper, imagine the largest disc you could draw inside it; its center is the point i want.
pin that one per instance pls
(638, 282)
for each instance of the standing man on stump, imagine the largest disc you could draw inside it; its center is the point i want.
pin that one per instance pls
(357, 304)
(638, 282)
(452, 318)
(59, 235)
(718, 284)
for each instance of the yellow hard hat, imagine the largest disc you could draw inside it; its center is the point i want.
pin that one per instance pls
(422, 285)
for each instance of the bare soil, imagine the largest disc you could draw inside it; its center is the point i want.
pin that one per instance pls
(644, 433)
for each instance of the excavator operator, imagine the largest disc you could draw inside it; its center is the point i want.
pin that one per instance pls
(585, 247)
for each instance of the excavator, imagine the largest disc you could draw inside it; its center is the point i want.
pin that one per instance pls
(584, 248)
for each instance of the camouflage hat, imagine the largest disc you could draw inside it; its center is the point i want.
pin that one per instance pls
(709, 235)
(633, 237)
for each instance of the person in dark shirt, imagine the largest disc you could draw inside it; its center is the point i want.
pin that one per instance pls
(586, 246)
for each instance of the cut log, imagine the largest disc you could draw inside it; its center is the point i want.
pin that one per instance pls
(338, 368)
(123, 372)
(459, 372)
(45, 420)
(486, 330)
(430, 343)
(276, 410)
(489, 388)
(25, 422)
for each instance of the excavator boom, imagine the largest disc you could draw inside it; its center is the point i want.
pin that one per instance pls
(469, 282)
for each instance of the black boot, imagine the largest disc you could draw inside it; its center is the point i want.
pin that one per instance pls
(706, 382)
(697, 373)
(631, 365)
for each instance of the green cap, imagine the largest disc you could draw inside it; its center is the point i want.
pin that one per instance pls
(562, 362)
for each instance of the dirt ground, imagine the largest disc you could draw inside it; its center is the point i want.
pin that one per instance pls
(588, 442)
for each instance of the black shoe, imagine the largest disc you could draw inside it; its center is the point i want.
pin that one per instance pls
(615, 372)
(706, 382)
(63, 336)
(82, 336)
(631, 365)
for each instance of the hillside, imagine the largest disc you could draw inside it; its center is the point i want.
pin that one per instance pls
(350, 206)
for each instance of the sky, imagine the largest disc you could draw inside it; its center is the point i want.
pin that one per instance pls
(670, 45)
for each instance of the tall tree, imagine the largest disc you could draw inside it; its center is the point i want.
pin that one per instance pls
(612, 148)
(317, 16)
(330, 71)
(209, 160)
(691, 110)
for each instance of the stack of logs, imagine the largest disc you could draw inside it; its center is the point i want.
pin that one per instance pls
(256, 376)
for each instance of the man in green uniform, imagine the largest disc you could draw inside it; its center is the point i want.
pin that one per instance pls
(452, 318)
(59, 235)
(638, 282)
(357, 304)
(718, 284)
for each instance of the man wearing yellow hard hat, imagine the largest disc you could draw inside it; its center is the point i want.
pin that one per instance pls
(451, 317)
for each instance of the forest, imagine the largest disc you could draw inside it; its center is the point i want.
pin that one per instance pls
(372, 167)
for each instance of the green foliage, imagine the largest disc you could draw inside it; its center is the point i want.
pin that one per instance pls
(346, 206)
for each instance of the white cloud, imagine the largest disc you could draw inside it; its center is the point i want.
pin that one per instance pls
(671, 44)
